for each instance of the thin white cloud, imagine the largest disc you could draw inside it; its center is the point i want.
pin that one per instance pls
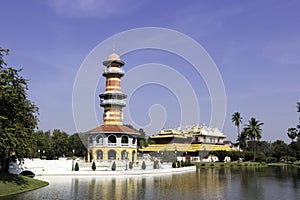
(92, 8)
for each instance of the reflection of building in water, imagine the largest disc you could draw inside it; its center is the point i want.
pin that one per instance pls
(112, 140)
(188, 142)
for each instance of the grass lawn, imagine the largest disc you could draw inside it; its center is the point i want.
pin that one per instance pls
(13, 184)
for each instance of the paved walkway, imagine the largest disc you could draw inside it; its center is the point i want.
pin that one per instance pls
(151, 172)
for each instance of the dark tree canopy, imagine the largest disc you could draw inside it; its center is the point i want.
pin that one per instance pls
(18, 115)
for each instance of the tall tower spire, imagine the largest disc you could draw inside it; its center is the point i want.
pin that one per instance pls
(113, 100)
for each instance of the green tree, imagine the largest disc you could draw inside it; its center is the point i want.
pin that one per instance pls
(143, 165)
(60, 140)
(113, 167)
(143, 134)
(253, 130)
(298, 110)
(76, 166)
(74, 142)
(237, 120)
(130, 165)
(280, 149)
(18, 115)
(243, 140)
(93, 166)
(292, 133)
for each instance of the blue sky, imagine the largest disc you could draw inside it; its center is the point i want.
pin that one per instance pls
(254, 44)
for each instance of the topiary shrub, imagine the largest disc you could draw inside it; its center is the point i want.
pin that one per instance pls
(155, 164)
(182, 163)
(143, 165)
(178, 163)
(130, 165)
(174, 164)
(93, 166)
(113, 167)
(76, 166)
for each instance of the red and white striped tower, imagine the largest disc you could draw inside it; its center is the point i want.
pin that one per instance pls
(113, 100)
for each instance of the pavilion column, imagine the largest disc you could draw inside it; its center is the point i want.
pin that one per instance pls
(88, 155)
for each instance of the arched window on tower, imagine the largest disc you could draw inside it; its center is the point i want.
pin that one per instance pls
(112, 140)
(124, 140)
(99, 140)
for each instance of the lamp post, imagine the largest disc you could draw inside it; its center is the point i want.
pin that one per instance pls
(158, 159)
(39, 151)
(175, 151)
(73, 160)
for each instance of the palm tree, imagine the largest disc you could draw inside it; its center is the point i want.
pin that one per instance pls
(292, 133)
(298, 110)
(243, 140)
(254, 131)
(237, 120)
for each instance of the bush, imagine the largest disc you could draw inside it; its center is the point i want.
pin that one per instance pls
(76, 166)
(113, 167)
(93, 166)
(292, 159)
(260, 157)
(155, 164)
(186, 163)
(221, 155)
(178, 163)
(130, 165)
(182, 163)
(174, 164)
(143, 165)
(270, 159)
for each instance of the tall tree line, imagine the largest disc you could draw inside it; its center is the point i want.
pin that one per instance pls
(18, 115)
(55, 144)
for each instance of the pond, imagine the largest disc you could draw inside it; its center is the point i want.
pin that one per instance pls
(211, 183)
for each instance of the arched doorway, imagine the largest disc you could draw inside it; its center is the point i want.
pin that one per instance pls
(112, 154)
(133, 156)
(123, 155)
(99, 155)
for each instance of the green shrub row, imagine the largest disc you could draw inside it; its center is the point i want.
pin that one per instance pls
(177, 164)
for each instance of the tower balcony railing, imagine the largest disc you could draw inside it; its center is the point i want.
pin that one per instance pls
(109, 70)
(119, 102)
